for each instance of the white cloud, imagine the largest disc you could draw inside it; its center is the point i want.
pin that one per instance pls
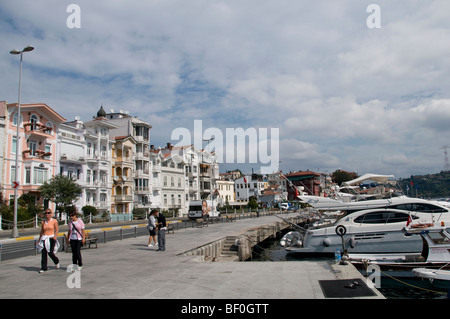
(341, 94)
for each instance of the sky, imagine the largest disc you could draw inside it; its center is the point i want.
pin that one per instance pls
(334, 84)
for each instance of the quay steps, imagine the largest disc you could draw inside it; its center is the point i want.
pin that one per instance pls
(229, 251)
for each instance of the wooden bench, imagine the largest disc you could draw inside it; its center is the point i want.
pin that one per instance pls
(231, 218)
(170, 228)
(202, 222)
(90, 239)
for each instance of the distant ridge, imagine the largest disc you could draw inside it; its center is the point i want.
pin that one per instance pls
(427, 186)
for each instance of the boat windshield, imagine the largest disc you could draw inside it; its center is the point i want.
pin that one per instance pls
(421, 207)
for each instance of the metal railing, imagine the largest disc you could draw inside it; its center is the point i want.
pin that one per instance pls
(27, 247)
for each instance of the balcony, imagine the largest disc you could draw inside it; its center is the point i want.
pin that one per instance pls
(141, 189)
(72, 159)
(37, 129)
(123, 198)
(36, 154)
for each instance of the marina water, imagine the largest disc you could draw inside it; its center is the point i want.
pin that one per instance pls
(391, 287)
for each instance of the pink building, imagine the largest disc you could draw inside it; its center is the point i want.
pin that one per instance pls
(37, 147)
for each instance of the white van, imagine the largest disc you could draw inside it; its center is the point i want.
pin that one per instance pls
(284, 206)
(200, 208)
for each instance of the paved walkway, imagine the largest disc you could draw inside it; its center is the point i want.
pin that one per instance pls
(129, 269)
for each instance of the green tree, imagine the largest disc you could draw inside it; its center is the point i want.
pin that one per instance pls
(87, 210)
(61, 190)
(252, 202)
(341, 176)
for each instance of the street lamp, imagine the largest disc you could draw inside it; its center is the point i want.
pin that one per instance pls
(15, 232)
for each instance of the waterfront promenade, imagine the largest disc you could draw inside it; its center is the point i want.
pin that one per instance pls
(129, 269)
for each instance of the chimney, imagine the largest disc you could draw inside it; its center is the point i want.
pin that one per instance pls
(169, 146)
(152, 147)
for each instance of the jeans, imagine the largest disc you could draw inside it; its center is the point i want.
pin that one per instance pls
(161, 239)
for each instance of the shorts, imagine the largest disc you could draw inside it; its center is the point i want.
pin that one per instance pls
(152, 232)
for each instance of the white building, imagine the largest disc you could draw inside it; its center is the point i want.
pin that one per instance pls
(173, 188)
(225, 190)
(84, 151)
(246, 187)
(201, 171)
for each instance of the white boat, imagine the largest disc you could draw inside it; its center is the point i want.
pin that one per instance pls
(437, 277)
(435, 253)
(373, 226)
(379, 195)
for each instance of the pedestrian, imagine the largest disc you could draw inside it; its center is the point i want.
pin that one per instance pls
(76, 236)
(151, 227)
(162, 226)
(48, 241)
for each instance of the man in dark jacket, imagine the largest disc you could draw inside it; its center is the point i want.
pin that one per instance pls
(161, 226)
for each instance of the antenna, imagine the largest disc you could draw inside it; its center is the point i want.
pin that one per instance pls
(447, 166)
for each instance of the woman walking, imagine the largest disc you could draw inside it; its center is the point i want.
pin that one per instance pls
(77, 237)
(151, 227)
(48, 241)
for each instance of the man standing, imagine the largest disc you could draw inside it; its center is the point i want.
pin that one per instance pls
(161, 226)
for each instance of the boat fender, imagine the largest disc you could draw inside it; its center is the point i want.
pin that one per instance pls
(326, 242)
(352, 242)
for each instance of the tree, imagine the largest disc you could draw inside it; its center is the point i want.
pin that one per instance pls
(61, 190)
(252, 202)
(341, 176)
(89, 210)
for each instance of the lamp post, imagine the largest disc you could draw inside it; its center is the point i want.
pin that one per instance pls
(15, 232)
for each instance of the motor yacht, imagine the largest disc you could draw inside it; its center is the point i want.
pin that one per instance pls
(373, 226)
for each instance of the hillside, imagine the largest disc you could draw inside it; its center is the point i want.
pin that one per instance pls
(427, 186)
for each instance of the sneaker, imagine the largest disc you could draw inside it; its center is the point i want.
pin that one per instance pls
(42, 271)
(58, 266)
(150, 245)
(80, 267)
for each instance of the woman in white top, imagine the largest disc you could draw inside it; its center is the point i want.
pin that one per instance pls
(151, 227)
(76, 235)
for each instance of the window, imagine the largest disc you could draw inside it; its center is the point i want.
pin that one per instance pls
(14, 145)
(383, 217)
(27, 175)
(33, 120)
(13, 174)
(50, 125)
(39, 175)
(33, 148)
(421, 207)
(15, 119)
(48, 149)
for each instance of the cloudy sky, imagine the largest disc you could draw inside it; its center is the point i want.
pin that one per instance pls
(341, 94)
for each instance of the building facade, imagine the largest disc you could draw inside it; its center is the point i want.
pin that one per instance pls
(37, 143)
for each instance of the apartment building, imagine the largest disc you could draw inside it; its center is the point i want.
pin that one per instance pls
(138, 131)
(201, 171)
(37, 140)
(248, 186)
(85, 152)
